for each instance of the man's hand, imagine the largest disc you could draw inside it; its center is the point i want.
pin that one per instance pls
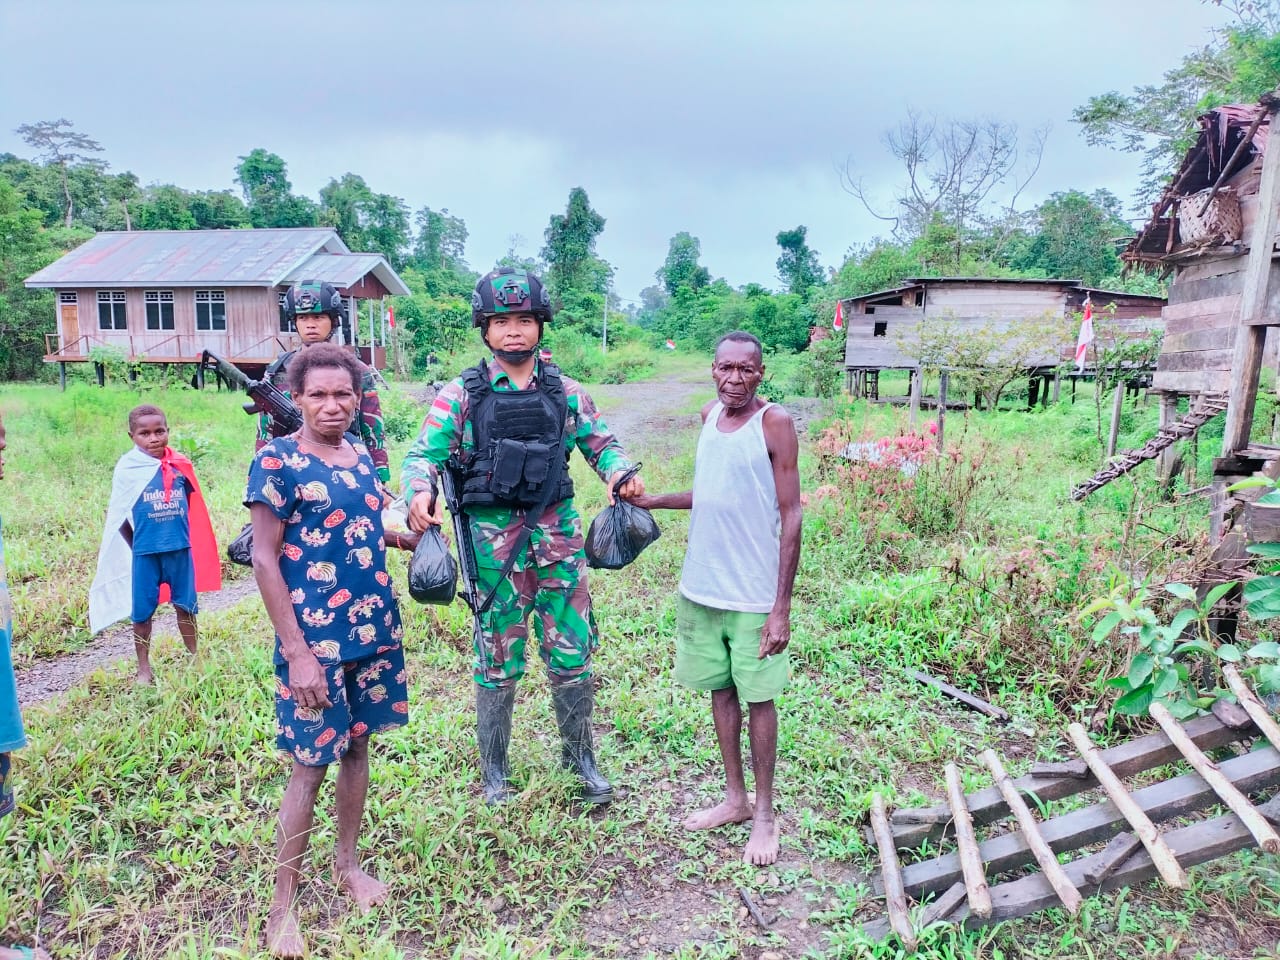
(425, 510)
(307, 683)
(776, 633)
(628, 491)
(640, 500)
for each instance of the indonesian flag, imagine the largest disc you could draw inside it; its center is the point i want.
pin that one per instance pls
(391, 317)
(671, 344)
(1086, 335)
(838, 322)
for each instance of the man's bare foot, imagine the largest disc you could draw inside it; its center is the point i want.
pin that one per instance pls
(144, 679)
(365, 890)
(762, 847)
(723, 813)
(284, 936)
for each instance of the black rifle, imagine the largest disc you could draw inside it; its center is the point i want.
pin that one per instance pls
(470, 591)
(285, 416)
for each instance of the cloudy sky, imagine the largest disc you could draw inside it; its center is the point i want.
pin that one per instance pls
(725, 118)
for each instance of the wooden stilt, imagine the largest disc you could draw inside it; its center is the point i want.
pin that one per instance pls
(1259, 714)
(1161, 855)
(1053, 872)
(975, 880)
(891, 871)
(1236, 801)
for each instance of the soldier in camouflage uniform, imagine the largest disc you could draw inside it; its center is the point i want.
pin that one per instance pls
(315, 309)
(506, 427)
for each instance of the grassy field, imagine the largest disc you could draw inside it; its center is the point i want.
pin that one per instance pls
(145, 827)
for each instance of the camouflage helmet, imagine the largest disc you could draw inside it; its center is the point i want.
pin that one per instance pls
(508, 290)
(314, 297)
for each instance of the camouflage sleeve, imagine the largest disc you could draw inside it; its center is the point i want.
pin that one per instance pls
(441, 436)
(280, 380)
(588, 432)
(371, 427)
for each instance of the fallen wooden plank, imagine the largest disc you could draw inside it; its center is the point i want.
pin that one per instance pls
(1076, 769)
(1120, 849)
(944, 906)
(891, 872)
(1233, 715)
(1053, 872)
(1182, 795)
(1194, 844)
(914, 827)
(1236, 801)
(968, 699)
(1254, 707)
(1161, 855)
(975, 880)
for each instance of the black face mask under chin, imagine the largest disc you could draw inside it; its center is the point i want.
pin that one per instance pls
(514, 356)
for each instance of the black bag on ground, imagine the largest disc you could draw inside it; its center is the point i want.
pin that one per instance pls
(433, 573)
(240, 550)
(621, 531)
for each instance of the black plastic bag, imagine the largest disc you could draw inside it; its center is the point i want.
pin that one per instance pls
(621, 531)
(240, 550)
(433, 573)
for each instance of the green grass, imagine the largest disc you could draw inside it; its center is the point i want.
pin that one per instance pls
(146, 827)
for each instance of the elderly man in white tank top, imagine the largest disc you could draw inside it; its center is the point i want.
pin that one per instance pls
(734, 617)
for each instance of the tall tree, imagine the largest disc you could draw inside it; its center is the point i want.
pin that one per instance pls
(62, 146)
(570, 249)
(366, 220)
(268, 194)
(123, 189)
(681, 268)
(442, 240)
(798, 266)
(1075, 238)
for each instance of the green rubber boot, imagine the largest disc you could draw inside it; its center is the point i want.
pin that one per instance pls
(574, 703)
(493, 734)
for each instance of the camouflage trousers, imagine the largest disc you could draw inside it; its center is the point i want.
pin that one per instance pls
(557, 598)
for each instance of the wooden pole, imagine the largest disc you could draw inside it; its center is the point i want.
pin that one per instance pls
(1246, 363)
(975, 879)
(1053, 872)
(891, 871)
(1117, 407)
(915, 397)
(1259, 714)
(1161, 855)
(1236, 801)
(943, 379)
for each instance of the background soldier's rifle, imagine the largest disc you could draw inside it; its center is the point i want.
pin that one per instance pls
(285, 416)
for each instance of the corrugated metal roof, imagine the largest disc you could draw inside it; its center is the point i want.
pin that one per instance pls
(347, 269)
(188, 258)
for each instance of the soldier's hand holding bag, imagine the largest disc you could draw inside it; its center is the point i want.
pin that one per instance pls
(620, 531)
(433, 573)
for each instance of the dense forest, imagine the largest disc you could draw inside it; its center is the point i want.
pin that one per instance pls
(955, 211)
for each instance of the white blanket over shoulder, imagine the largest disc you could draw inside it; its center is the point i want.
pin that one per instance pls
(111, 596)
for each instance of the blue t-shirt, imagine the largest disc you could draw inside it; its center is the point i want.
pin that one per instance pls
(334, 558)
(159, 527)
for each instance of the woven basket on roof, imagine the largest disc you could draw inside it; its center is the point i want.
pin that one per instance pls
(1220, 222)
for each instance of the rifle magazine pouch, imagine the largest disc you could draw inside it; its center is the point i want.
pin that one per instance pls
(508, 467)
(537, 464)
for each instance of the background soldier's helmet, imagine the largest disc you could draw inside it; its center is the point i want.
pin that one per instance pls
(508, 290)
(314, 297)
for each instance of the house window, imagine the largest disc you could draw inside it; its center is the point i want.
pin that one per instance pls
(870, 310)
(211, 310)
(285, 325)
(879, 328)
(111, 310)
(70, 297)
(159, 309)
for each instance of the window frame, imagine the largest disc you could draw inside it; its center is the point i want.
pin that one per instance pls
(208, 299)
(117, 315)
(158, 299)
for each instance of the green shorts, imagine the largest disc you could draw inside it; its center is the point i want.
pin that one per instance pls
(717, 649)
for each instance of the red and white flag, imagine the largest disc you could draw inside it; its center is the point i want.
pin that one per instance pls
(391, 317)
(838, 322)
(671, 344)
(1086, 335)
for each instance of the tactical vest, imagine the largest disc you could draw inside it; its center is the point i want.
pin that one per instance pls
(518, 435)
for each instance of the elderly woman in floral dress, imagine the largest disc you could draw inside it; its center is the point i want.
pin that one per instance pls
(319, 558)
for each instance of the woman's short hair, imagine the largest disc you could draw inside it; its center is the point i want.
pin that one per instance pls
(322, 355)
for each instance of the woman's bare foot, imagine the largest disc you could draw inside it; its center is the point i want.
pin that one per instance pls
(367, 891)
(729, 811)
(284, 936)
(762, 847)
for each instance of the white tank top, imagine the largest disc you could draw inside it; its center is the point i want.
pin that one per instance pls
(735, 529)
